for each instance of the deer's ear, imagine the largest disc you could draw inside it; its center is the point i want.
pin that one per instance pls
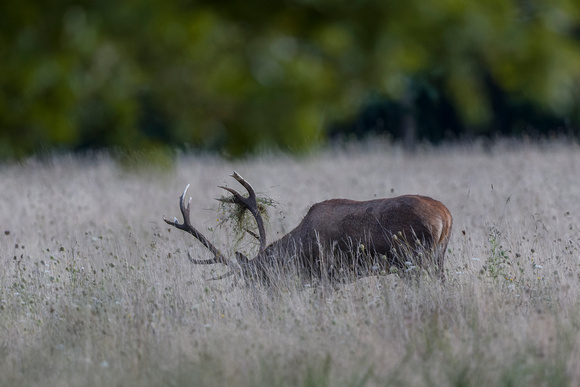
(241, 257)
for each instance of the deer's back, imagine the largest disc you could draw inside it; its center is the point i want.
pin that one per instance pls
(375, 221)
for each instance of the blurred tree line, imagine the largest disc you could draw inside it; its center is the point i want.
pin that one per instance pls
(240, 76)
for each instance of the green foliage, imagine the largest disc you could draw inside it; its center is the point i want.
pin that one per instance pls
(242, 76)
(498, 260)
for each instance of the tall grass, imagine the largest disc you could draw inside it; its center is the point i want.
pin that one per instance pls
(96, 290)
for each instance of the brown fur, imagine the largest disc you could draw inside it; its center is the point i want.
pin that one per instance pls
(342, 227)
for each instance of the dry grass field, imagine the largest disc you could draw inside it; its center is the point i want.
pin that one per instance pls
(96, 290)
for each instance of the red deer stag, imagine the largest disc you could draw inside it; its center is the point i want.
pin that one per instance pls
(340, 237)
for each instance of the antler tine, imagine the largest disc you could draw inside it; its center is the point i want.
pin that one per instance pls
(185, 209)
(249, 201)
(238, 198)
(246, 185)
(184, 212)
(202, 261)
(251, 204)
(187, 227)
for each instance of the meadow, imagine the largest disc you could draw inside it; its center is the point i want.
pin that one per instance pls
(95, 289)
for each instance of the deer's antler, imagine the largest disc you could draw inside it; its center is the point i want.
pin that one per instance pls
(188, 227)
(249, 202)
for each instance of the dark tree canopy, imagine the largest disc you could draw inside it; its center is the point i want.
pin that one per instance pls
(240, 76)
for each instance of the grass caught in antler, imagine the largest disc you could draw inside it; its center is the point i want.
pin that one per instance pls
(239, 219)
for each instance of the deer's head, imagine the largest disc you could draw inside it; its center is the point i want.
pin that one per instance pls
(248, 268)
